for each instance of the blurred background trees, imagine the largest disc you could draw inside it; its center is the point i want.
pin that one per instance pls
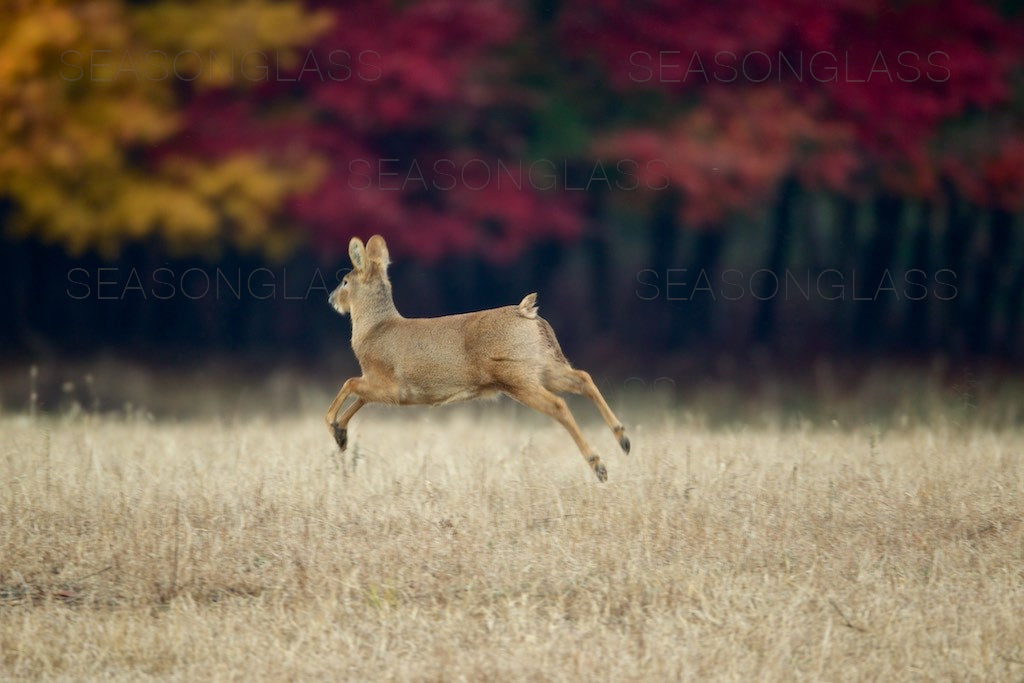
(678, 180)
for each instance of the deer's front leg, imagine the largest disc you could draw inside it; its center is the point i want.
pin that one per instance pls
(339, 429)
(366, 391)
(341, 426)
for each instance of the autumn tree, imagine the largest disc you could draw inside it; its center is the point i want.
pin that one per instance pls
(750, 105)
(88, 93)
(402, 103)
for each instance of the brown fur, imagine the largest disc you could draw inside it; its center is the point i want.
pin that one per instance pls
(431, 361)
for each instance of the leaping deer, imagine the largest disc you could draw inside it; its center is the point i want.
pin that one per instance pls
(431, 361)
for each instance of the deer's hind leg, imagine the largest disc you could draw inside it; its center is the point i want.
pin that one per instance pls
(542, 400)
(565, 378)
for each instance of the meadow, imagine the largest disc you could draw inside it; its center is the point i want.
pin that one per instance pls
(473, 543)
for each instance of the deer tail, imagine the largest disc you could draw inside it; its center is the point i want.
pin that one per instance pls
(528, 306)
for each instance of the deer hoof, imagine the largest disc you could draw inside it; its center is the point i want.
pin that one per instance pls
(340, 436)
(620, 432)
(601, 472)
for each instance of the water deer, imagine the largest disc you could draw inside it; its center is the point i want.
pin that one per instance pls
(432, 361)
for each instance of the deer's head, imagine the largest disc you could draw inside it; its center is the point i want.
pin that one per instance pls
(366, 286)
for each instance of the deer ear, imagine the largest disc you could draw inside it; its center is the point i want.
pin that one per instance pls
(357, 253)
(377, 251)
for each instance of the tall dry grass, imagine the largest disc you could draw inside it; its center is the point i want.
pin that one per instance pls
(475, 544)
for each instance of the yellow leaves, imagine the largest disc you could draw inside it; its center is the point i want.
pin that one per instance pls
(228, 42)
(53, 119)
(88, 88)
(177, 211)
(244, 191)
(24, 38)
(189, 205)
(255, 24)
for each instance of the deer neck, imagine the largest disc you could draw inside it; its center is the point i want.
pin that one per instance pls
(371, 311)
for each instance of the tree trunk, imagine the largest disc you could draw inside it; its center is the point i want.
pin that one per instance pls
(545, 260)
(693, 321)
(765, 322)
(14, 303)
(847, 249)
(875, 285)
(664, 237)
(595, 246)
(958, 231)
(916, 335)
(1014, 304)
(988, 295)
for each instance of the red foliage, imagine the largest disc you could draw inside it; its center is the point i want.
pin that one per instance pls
(921, 65)
(380, 99)
(891, 73)
(729, 155)
(401, 101)
(986, 164)
(431, 206)
(407, 59)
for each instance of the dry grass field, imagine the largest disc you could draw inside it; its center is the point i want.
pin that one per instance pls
(473, 543)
